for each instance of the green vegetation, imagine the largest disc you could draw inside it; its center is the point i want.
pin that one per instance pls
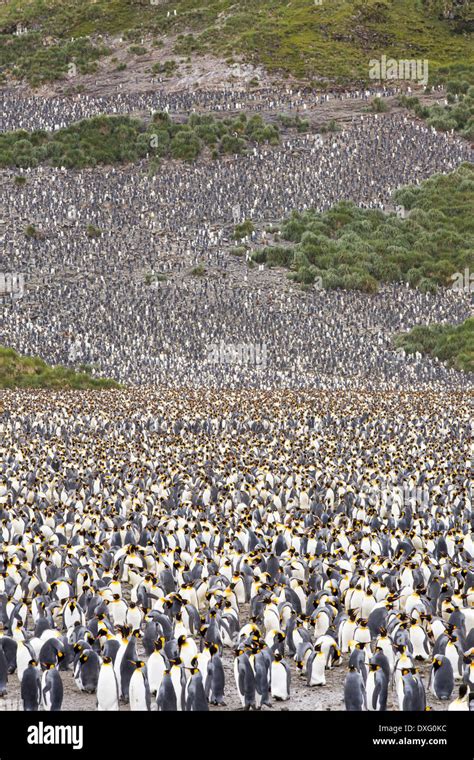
(167, 68)
(458, 11)
(295, 122)
(243, 229)
(453, 344)
(457, 72)
(353, 248)
(31, 372)
(458, 114)
(238, 250)
(378, 105)
(198, 271)
(31, 231)
(25, 57)
(137, 50)
(93, 232)
(331, 126)
(121, 139)
(329, 42)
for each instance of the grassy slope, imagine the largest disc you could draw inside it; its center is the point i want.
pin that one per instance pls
(119, 139)
(335, 39)
(349, 247)
(31, 372)
(451, 344)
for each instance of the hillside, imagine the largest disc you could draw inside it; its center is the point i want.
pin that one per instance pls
(355, 248)
(32, 372)
(313, 41)
(451, 344)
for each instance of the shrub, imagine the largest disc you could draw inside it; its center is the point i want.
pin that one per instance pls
(32, 372)
(93, 231)
(357, 248)
(378, 105)
(31, 231)
(453, 344)
(243, 230)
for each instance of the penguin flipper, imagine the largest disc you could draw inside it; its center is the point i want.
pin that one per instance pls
(208, 681)
(241, 681)
(375, 695)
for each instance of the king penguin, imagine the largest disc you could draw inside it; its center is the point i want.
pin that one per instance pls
(51, 689)
(107, 687)
(280, 678)
(31, 687)
(139, 690)
(166, 700)
(354, 691)
(442, 677)
(195, 696)
(376, 688)
(215, 677)
(461, 703)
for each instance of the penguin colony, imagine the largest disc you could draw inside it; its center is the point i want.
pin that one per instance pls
(164, 550)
